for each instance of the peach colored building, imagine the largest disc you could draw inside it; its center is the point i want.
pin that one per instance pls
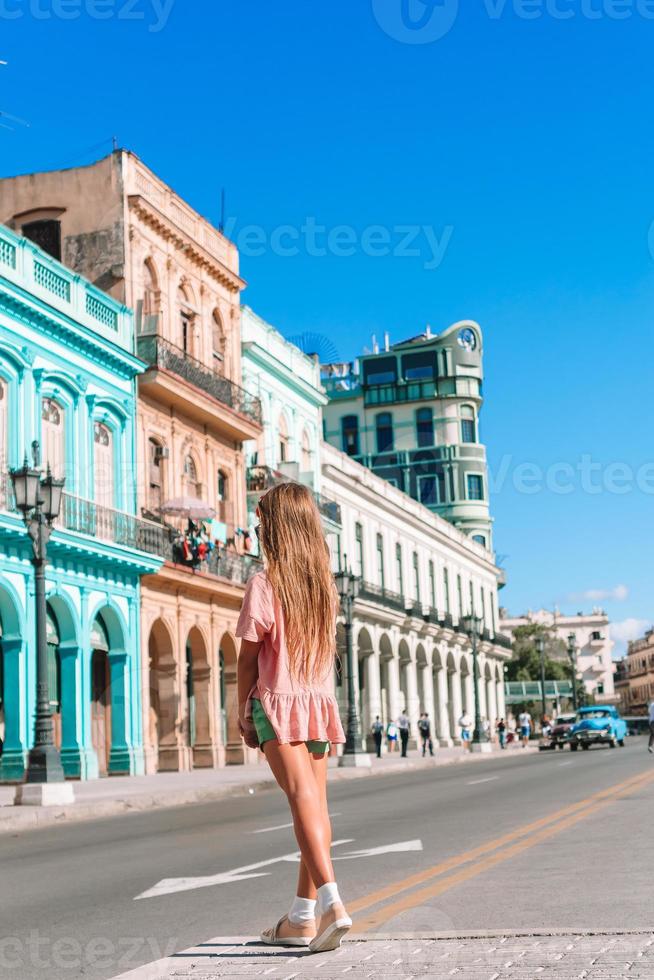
(120, 226)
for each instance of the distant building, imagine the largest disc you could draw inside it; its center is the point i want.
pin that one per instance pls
(410, 412)
(634, 678)
(593, 639)
(287, 382)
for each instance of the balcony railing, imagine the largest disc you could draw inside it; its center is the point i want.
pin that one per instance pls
(114, 526)
(500, 640)
(385, 597)
(226, 564)
(413, 607)
(160, 353)
(408, 391)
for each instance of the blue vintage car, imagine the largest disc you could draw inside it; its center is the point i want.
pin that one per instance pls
(596, 725)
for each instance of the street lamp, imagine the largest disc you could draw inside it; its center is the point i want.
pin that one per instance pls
(540, 647)
(473, 626)
(39, 501)
(347, 586)
(572, 654)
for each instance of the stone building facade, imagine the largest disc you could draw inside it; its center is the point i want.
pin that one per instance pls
(119, 224)
(634, 676)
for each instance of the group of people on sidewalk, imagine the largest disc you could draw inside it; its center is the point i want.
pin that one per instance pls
(402, 729)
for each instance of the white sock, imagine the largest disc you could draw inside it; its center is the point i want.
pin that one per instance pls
(302, 910)
(328, 896)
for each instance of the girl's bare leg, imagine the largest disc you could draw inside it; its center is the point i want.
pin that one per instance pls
(305, 886)
(293, 769)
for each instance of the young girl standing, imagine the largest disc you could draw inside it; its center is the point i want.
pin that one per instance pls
(286, 702)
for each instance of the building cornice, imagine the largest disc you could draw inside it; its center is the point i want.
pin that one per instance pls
(26, 309)
(168, 230)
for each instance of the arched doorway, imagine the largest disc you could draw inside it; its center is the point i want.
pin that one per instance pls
(100, 694)
(232, 741)
(164, 699)
(54, 673)
(198, 707)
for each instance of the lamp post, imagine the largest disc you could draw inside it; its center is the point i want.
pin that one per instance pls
(473, 626)
(572, 654)
(540, 647)
(38, 499)
(347, 586)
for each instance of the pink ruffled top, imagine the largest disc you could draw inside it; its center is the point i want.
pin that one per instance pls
(297, 712)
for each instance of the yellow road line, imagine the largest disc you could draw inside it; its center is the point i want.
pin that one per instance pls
(533, 833)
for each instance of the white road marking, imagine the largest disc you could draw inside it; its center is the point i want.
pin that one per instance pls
(168, 886)
(406, 845)
(282, 826)
(565, 763)
(488, 779)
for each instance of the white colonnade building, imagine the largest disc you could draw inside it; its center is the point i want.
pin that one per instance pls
(419, 575)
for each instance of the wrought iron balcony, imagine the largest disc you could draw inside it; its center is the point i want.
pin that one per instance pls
(447, 621)
(413, 607)
(385, 597)
(160, 353)
(500, 640)
(405, 391)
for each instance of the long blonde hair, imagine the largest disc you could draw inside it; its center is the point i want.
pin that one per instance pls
(298, 567)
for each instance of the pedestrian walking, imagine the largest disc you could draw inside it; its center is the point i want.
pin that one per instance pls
(650, 745)
(391, 736)
(378, 734)
(404, 726)
(501, 732)
(424, 727)
(286, 699)
(465, 725)
(525, 725)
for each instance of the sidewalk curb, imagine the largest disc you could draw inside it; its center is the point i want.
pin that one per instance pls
(15, 819)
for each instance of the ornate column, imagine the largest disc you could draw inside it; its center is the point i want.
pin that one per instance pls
(444, 731)
(120, 756)
(454, 681)
(413, 702)
(69, 658)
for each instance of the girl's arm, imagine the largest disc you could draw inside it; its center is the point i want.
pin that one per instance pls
(247, 673)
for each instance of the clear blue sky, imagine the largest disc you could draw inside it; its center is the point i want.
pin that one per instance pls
(528, 142)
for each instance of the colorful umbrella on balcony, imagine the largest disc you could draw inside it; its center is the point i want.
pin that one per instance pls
(191, 507)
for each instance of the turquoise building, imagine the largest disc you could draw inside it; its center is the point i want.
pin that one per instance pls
(68, 381)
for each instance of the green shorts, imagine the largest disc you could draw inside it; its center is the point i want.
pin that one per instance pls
(266, 732)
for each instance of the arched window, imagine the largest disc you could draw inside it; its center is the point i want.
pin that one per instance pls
(425, 427)
(468, 424)
(53, 436)
(192, 485)
(283, 440)
(480, 539)
(218, 343)
(156, 456)
(306, 463)
(104, 465)
(384, 423)
(150, 288)
(350, 435)
(223, 497)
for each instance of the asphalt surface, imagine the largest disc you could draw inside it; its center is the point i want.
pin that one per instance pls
(68, 895)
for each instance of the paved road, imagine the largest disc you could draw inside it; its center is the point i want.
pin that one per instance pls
(510, 844)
